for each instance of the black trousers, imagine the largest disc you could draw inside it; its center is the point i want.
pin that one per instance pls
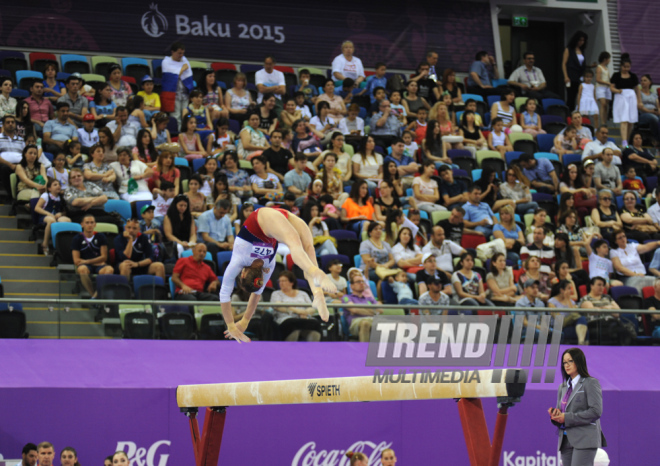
(483, 92)
(197, 297)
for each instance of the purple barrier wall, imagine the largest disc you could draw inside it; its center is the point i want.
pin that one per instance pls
(54, 390)
(637, 18)
(247, 31)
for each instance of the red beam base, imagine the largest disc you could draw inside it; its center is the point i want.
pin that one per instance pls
(207, 448)
(480, 450)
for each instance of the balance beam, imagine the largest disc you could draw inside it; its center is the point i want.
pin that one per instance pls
(344, 390)
(478, 384)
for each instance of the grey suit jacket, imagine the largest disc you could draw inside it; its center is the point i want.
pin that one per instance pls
(582, 416)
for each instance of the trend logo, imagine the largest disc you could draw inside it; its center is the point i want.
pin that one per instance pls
(311, 388)
(154, 23)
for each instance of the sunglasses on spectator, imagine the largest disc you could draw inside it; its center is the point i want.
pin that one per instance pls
(606, 198)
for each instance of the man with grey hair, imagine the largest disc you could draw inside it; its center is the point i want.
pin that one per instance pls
(194, 280)
(214, 229)
(345, 65)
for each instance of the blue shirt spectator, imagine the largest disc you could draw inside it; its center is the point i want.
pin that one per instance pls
(476, 212)
(480, 68)
(539, 171)
(372, 83)
(218, 229)
(508, 234)
(60, 131)
(297, 179)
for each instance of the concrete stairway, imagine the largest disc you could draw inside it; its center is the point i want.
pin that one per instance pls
(27, 274)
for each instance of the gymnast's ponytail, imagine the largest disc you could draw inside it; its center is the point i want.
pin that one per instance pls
(254, 277)
(356, 456)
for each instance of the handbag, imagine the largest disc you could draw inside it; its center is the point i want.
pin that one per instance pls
(487, 250)
(384, 272)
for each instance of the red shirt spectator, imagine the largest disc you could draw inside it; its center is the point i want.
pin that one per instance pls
(41, 109)
(193, 272)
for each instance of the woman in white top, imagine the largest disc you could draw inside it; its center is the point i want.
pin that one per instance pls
(252, 141)
(505, 109)
(7, 103)
(406, 253)
(425, 189)
(295, 322)
(500, 281)
(127, 170)
(352, 125)
(238, 99)
(346, 65)
(51, 209)
(628, 264)
(58, 171)
(367, 164)
(323, 122)
(603, 91)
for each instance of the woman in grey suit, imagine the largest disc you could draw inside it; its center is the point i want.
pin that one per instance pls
(578, 411)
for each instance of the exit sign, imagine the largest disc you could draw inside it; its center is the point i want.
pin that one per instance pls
(520, 21)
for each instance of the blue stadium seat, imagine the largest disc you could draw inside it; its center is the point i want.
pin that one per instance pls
(58, 227)
(72, 63)
(29, 77)
(571, 158)
(475, 97)
(546, 142)
(123, 208)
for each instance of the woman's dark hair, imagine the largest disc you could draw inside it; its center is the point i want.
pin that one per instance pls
(483, 183)
(463, 257)
(173, 214)
(464, 118)
(267, 96)
(111, 138)
(603, 56)
(321, 105)
(291, 277)
(355, 192)
(135, 103)
(561, 218)
(184, 122)
(411, 243)
(387, 176)
(372, 226)
(215, 192)
(558, 265)
(199, 180)
(203, 86)
(390, 218)
(573, 42)
(202, 170)
(324, 174)
(98, 96)
(559, 287)
(232, 155)
(566, 177)
(578, 359)
(72, 450)
(222, 121)
(50, 183)
(306, 213)
(142, 153)
(23, 163)
(567, 255)
(69, 144)
(430, 141)
(563, 208)
(625, 58)
(505, 92)
(493, 259)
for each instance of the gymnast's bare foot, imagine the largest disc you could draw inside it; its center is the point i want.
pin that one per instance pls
(322, 281)
(320, 305)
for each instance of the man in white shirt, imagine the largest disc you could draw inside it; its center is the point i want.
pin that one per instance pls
(530, 80)
(443, 250)
(125, 133)
(346, 65)
(654, 210)
(269, 79)
(594, 149)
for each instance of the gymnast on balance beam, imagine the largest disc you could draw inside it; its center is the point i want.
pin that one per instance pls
(253, 261)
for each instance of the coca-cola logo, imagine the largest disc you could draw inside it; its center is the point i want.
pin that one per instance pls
(308, 455)
(144, 456)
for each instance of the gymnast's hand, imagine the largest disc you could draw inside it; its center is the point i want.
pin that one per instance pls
(236, 331)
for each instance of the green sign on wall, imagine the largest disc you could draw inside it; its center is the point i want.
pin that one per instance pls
(520, 21)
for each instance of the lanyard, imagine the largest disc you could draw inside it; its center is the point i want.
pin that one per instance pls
(533, 73)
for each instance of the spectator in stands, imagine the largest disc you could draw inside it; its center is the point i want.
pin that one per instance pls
(530, 80)
(290, 114)
(7, 103)
(145, 151)
(605, 216)
(637, 224)
(46, 453)
(594, 149)
(454, 226)
(11, 149)
(607, 175)
(490, 186)
(625, 90)
(565, 253)
(77, 103)
(508, 231)
(352, 126)
(566, 142)
(29, 455)
(654, 210)
(266, 186)
(100, 173)
(107, 140)
(513, 188)
(151, 98)
(639, 158)
(596, 298)
(482, 71)
(198, 201)
(120, 89)
(53, 89)
(539, 249)
(367, 164)
(574, 63)
(428, 87)
(309, 91)
(337, 106)
(295, 322)
(41, 109)
(297, 180)
(151, 226)
(50, 209)
(59, 131)
(323, 242)
(159, 132)
(376, 254)
(131, 177)
(572, 183)
(88, 134)
(443, 249)
(24, 125)
(277, 155)
(197, 110)
(270, 80)
(425, 189)
(221, 191)
(134, 253)
(532, 271)
(189, 140)
(80, 197)
(360, 319)
(252, 141)
(346, 65)
(540, 220)
(385, 126)
(343, 165)
(31, 175)
(386, 202)
(540, 173)
(90, 253)
(627, 262)
(575, 324)
(478, 215)
(58, 171)
(212, 98)
(194, 280)
(214, 228)
(431, 273)
(649, 108)
(358, 209)
(473, 139)
(650, 303)
(178, 224)
(238, 99)
(406, 253)
(530, 298)
(123, 131)
(163, 198)
(177, 81)
(165, 170)
(237, 178)
(500, 281)
(406, 166)
(498, 140)
(505, 109)
(331, 178)
(103, 108)
(413, 102)
(584, 134)
(468, 284)
(433, 147)
(136, 115)
(454, 193)
(450, 85)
